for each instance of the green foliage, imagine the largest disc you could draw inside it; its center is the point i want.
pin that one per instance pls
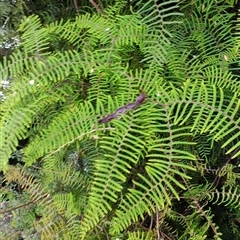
(155, 172)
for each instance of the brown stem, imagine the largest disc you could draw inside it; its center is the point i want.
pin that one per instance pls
(76, 6)
(23, 205)
(96, 6)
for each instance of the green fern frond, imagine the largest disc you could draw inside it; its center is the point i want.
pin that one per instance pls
(123, 150)
(76, 34)
(140, 235)
(114, 9)
(229, 196)
(29, 184)
(108, 180)
(156, 189)
(202, 146)
(197, 230)
(158, 17)
(19, 117)
(211, 34)
(197, 221)
(13, 130)
(68, 189)
(36, 38)
(221, 79)
(228, 172)
(66, 128)
(201, 100)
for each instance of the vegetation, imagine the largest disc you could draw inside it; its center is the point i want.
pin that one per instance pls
(166, 169)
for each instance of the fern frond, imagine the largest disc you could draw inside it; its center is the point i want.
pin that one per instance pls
(28, 183)
(202, 101)
(140, 235)
(228, 172)
(75, 125)
(229, 196)
(70, 192)
(158, 186)
(19, 117)
(197, 230)
(75, 32)
(158, 17)
(210, 38)
(13, 130)
(203, 147)
(67, 184)
(121, 154)
(108, 179)
(223, 79)
(36, 39)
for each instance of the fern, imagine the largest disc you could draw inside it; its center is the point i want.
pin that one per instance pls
(140, 236)
(226, 196)
(156, 170)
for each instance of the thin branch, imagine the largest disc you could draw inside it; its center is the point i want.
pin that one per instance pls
(25, 204)
(157, 224)
(167, 237)
(76, 6)
(151, 223)
(200, 208)
(96, 6)
(105, 231)
(5, 23)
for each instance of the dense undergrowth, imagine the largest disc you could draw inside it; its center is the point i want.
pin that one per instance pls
(167, 168)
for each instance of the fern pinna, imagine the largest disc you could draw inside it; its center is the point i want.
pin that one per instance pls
(106, 165)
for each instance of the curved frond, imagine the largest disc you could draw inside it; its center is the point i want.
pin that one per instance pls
(227, 196)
